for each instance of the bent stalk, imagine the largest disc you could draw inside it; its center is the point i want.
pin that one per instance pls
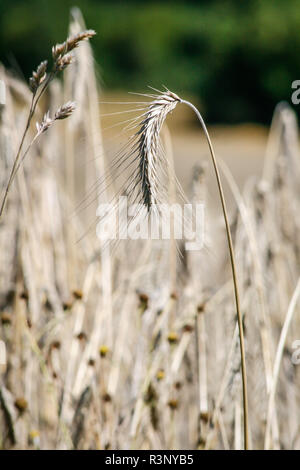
(234, 275)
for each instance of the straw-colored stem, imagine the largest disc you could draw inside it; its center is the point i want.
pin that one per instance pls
(15, 166)
(234, 276)
(277, 362)
(12, 173)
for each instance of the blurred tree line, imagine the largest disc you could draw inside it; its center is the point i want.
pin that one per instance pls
(239, 57)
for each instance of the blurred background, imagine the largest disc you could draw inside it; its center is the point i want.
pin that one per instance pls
(134, 346)
(237, 58)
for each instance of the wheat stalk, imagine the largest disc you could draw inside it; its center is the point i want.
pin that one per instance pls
(149, 151)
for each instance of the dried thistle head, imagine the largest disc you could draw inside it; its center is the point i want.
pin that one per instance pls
(149, 144)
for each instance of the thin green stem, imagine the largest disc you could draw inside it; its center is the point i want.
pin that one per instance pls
(234, 275)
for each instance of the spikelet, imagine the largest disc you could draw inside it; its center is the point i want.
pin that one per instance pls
(38, 76)
(148, 144)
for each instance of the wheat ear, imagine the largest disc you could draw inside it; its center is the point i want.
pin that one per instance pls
(148, 144)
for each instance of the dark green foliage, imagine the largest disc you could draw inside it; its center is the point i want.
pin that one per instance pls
(239, 57)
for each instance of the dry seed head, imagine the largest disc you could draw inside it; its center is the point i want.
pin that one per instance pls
(38, 76)
(59, 50)
(63, 61)
(149, 144)
(65, 110)
(45, 124)
(74, 41)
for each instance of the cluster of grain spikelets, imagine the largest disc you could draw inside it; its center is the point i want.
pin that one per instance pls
(102, 353)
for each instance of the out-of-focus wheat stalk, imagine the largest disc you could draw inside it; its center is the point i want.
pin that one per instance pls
(278, 358)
